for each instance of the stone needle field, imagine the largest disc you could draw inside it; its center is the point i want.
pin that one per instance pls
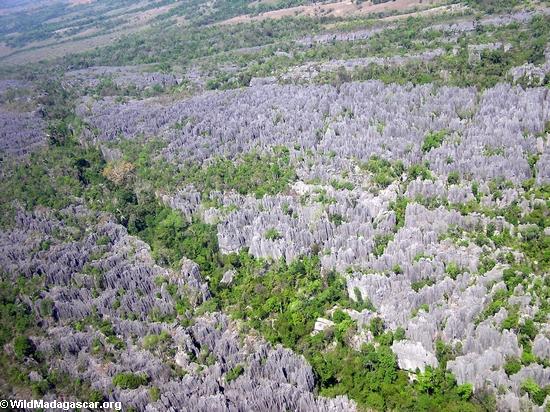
(275, 205)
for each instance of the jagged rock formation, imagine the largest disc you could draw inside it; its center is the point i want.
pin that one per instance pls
(22, 128)
(412, 356)
(357, 121)
(467, 25)
(421, 274)
(347, 36)
(111, 311)
(310, 71)
(123, 76)
(425, 245)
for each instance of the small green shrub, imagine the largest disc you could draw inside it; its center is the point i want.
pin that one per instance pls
(512, 366)
(433, 140)
(272, 234)
(399, 334)
(465, 391)
(154, 394)
(536, 393)
(234, 373)
(129, 380)
(416, 286)
(152, 341)
(341, 185)
(336, 218)
(453, 178)
(380, 243)
(23, 346)
(453, 270)
(376, 326)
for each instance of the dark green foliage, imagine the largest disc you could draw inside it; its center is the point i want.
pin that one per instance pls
(344, 326)
(251, 174)
(15, 317)
(493, 151)
(513, 276)
(425, 307)
(433, 140)
(416, 286)
(323, 198)
(362, 303)
(512, 366)
(528, 329)
(51, 177)
(341, 185)
(475, 190)
(453, 178)
(383, 170)
(465, 391)
(167, 237)
(444, 353)
(58, 133)
(527, 356)
(23, 347)
(294, 296)
(46, 307)
(129, 380)
(532, 243)
(490, 69)
(419, 171)
(254, 174)
(500, 298)
(372, 378)
(385, 338)
(336, 218)
(486, 264)
(422, 255)
(436, 382)
(171, 44)
(152, 342)
(154, 394)
(366, 375)
(376, 326)
(536, 393)
(453, 270)
(511, 321)
(399, 334)
(399, 206)
(380, 243)
(171, 238)
(272, 234)
(57, 107)
(234, 373)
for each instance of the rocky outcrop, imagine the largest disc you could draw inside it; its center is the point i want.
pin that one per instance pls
(411, 356)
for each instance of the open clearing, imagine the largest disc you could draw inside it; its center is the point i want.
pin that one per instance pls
(337, 9)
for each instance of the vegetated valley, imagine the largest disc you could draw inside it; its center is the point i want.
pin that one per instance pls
(272, 206)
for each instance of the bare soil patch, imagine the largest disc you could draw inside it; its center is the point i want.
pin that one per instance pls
(340, 8)
(451, 8)
(52, 48)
